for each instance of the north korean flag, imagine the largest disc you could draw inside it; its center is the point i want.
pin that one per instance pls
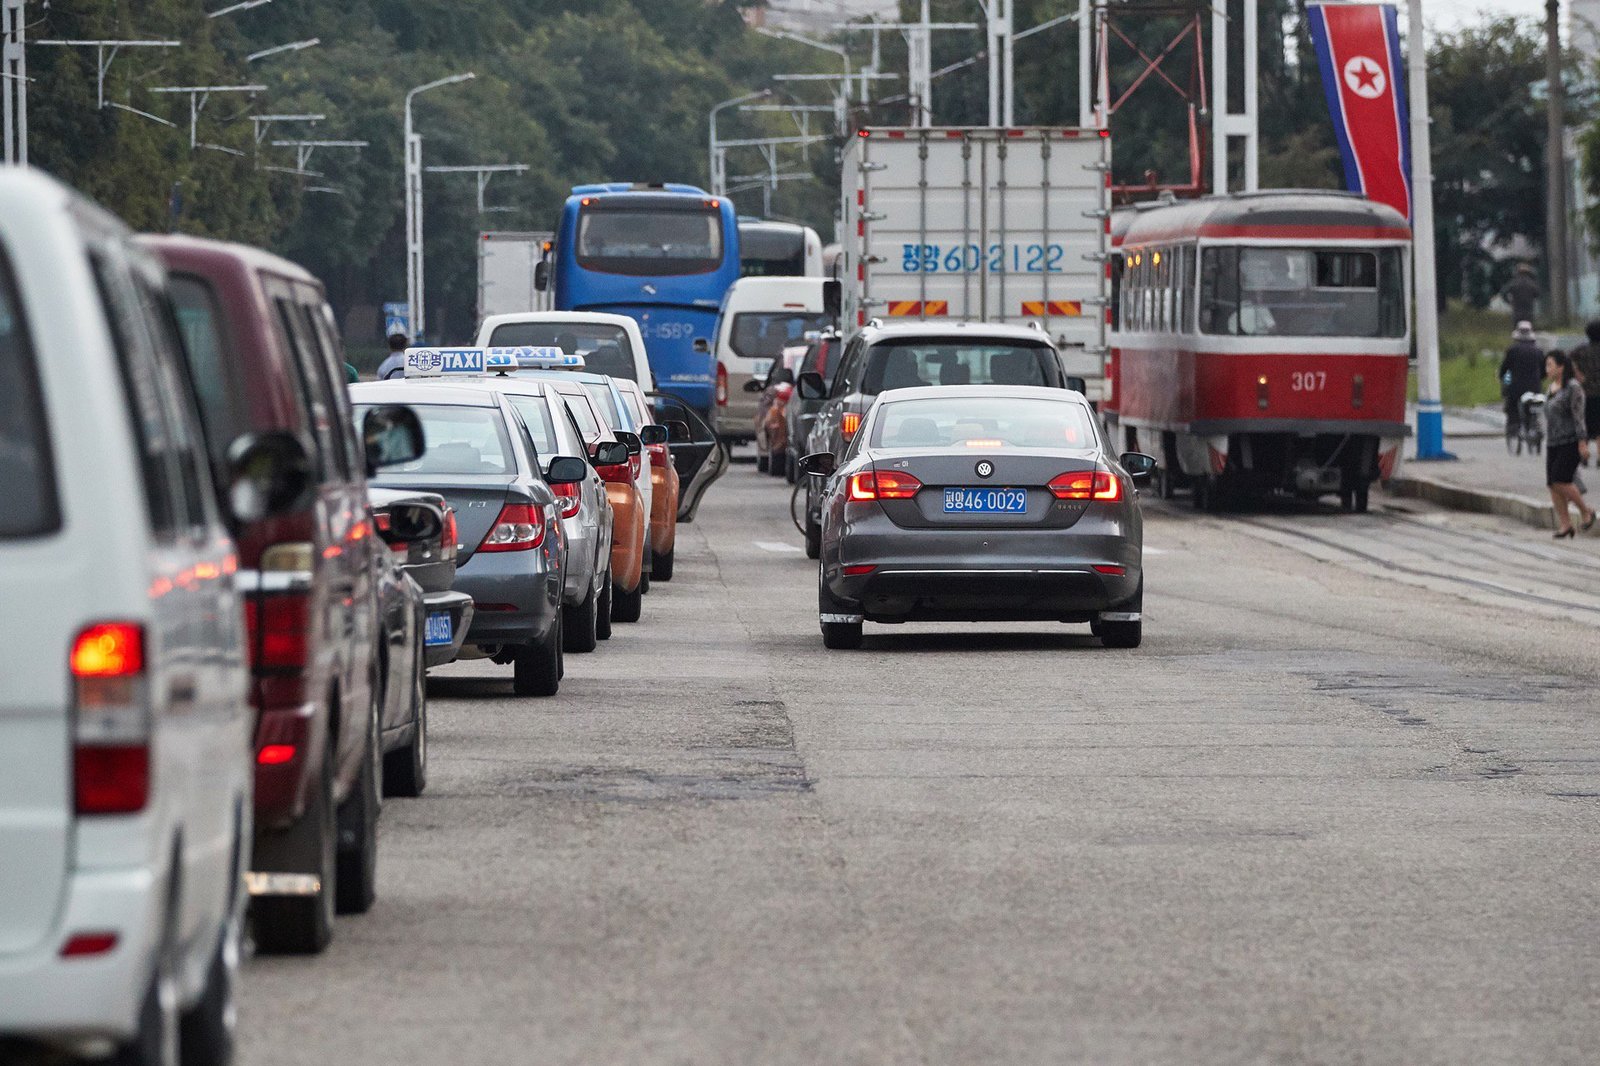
(1362, 71)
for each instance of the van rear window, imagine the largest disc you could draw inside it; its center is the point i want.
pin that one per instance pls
(27, 479)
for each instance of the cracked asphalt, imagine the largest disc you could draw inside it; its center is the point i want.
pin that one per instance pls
(1340, 808)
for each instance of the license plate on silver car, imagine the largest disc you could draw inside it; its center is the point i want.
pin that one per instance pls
(985, 501)
(439, 629)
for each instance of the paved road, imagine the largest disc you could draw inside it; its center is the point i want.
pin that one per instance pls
(1341, 808)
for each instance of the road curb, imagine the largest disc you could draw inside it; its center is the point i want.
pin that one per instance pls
(1457, 498)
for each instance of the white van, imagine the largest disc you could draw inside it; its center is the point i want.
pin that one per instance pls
(125, 722)
(610, 344)
(761, 317)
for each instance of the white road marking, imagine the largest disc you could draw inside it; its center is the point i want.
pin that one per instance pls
(779, 549)
(1155, 551)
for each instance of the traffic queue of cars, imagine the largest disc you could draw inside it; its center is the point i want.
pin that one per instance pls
(955, 472)
(225, 582)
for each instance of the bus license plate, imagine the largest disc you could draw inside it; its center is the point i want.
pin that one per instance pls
(985, 501)
(439, 630)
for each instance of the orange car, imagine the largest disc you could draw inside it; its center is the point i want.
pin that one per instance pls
(629, 523)
(664, 486)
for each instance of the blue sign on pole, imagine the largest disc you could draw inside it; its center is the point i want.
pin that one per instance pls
(396, 319)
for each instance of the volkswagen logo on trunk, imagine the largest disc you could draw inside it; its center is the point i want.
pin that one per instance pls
(985, 468)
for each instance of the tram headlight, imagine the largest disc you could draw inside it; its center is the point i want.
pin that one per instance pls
(1261, 392)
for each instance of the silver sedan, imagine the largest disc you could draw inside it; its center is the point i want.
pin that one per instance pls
(980, 503)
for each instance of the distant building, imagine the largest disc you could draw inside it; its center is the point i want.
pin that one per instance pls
(819, 17)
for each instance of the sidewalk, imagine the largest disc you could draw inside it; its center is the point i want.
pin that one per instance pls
(1485, 478)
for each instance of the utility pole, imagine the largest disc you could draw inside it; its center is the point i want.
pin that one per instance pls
(1226, 123)
(415, 285)
(199, 95)
(484, 172)
(1555, 219)
(14, 82)
(103, 60)
(1002, 63)
(1430, 407)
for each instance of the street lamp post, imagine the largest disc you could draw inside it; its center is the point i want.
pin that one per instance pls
(717, 161)
(1430, 404)
(413, 148)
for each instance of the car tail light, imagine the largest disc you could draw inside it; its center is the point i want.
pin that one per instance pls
(82, 944)
(882, 485)
(722, 384)
(849, 422)
(451, 537)
(660, 456)
(1087, 485)
(616, 474)
(569, 498)
(519, 528)
(111, 743)
(275, 754)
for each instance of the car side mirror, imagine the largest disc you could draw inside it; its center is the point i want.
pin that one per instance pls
(631, 440)
(702, 346)
(1078, 385)
(678, 431)
(818, 464)
(755, 386)
(565, 470)
(411, 523)
(610, 453)
(541, 275)
(391, 435)
(268, 474)
(1139, 466)
(811, 386)
(653, 434)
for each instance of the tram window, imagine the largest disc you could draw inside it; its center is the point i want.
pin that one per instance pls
(1219, 290)
(1303, 292)
(1391, 294)
(1119, 277)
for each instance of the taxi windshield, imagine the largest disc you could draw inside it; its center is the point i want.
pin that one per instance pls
(459, 440)
(987, 422)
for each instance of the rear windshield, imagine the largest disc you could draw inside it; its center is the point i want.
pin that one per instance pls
(605, 349)
(650, 241)
(536, 416)
(27, 483)
(765, 334)
(914, 364)
(987, 422)
(606, 402)
(222, 408)
(460, 440)
(583, 414)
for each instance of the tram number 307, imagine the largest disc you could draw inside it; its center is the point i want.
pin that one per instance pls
(1308, 380)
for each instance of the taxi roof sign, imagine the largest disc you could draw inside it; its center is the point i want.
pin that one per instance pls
(479, 362)
(438, 362)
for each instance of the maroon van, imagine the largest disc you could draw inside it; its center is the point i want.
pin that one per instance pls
(265, 356)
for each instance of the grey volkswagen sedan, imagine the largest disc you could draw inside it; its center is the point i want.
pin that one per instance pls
(980, 504)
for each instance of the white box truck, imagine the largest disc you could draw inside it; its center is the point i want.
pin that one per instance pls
(982, 225)
(507, 263)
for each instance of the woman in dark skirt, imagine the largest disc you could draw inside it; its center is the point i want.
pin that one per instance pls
(1565, 443)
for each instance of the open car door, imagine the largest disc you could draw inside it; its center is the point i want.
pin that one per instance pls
(700, 458)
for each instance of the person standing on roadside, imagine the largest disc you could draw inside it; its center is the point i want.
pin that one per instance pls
(1586, 360)
(1521, 371)
(1522, 292)
(394, 364)
(1565, 443)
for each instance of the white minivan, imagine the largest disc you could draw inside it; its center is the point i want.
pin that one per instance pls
(125, 724)
(760, 318)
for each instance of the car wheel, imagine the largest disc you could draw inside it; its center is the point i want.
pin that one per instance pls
(813, 539)
(157, 1042)
(761, 463)
(578, 624)
(206, 1034)
(789, 462)
(356, 883)
(644, 577)
(844, 636)
(1363, 498)
(662, 570)
(1121, 634)
(627, 606)
(405, 770)
(602, 619)
(537, 667)
(778, 464)
(301, 925)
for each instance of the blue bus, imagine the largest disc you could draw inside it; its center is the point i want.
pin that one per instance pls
(663, 255)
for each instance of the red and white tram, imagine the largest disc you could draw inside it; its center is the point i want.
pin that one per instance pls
(1260, 342)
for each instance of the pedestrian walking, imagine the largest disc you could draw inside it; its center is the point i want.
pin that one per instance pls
(1522, 292)
(1586, 361)
(1521, 371)
(1566, 444)
(394, 364)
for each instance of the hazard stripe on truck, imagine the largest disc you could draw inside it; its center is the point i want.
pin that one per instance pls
(1058, 308)
(910, 308)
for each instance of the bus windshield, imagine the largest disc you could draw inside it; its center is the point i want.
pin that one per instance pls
(650, 243)
(1303, 292)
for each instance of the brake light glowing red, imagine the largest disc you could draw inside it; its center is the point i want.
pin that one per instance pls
(110, 649)
(111, 726)
(569, 498)
(275, 754)
(882, 485)
(519, 528)
(1099, 485)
